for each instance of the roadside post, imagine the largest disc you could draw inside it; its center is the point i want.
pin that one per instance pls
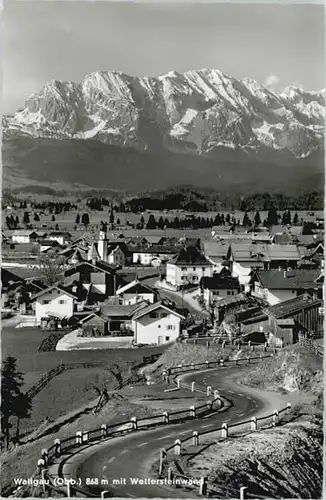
(203, 486)
(40, 465)
(134, 423)
(166, 417)
(242, 492)
(195, 438)
(253, 424)
(79, 438)
(57, 444)
(224, 432)
(177, 447)
(275, 417)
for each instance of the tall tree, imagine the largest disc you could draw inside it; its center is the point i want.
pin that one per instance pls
(246, 221)
(151, 223)
(51, 269)
(257, 219)
(14, 403)
(289, 216)
(26, 218)
(111, 217)
(272, 217)
(296, 219)
(160, 223)
(85, 219)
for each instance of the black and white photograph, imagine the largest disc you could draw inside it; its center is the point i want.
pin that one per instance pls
(162, 257)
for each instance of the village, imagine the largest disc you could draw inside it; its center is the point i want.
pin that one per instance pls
(119, 286)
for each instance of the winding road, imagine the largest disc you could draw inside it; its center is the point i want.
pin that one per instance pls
(114, 463)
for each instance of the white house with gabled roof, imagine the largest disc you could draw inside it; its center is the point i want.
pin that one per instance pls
(156, 324)
(135, 292)
(24, 236)
(54, 301)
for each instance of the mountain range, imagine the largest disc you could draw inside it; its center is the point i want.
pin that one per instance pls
(201, 127)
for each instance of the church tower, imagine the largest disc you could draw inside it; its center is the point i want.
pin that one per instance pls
(102, 245)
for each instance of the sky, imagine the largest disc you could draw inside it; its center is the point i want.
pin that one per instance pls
(276, 44)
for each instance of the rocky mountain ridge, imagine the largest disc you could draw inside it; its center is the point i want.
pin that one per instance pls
(198, 112)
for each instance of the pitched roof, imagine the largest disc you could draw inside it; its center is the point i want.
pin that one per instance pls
(216, 248)
(248, 251)
(306, 239)
(93, 252)
(155, 240)
(7, 277)
(135, 287)
(290, 307)
(24, 232)
(156, 249)
(153, 307)
(240, 298)
(96, 314)
(282, 239)
(283, 252)
(59, 287)
(51, 243)
(298, 279)
(60, 233)
(101, 266)
(76, 256)
(219, 282)
(113, 246)
(190, 256)
(119, 310)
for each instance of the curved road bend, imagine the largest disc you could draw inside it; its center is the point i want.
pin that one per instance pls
(131, 456)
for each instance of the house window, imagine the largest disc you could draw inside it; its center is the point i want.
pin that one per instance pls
(46, 302)
(228, 292)
(194, 269)
(203, 268)
(62, 301)
(216, 292)
(159, 326)
(167, 339)
(194, 278)
(164, 315)
(153, 315)
(183, 269)
(170, 327)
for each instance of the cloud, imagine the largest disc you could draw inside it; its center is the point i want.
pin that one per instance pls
(274, 84)
(272, 81)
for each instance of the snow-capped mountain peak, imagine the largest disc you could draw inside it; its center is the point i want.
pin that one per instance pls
(197, 111)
